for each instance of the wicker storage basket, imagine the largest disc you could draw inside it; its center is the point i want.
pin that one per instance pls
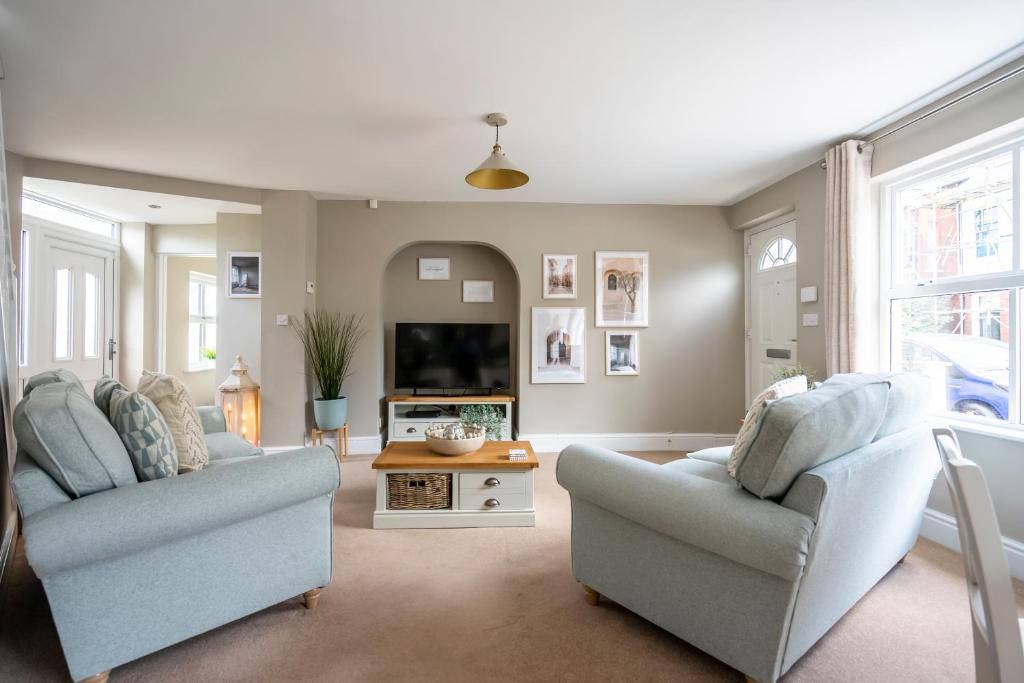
(419, 491)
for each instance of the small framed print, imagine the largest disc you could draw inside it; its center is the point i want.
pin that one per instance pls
(435, 268)
(245, 272)
(559, 276)
(478, 291)
(559, 350)
(622, 352)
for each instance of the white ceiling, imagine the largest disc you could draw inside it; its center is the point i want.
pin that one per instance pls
(658, 101)
(127, 206)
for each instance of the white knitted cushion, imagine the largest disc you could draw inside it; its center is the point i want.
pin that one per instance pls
(782, 388)
(175, 404)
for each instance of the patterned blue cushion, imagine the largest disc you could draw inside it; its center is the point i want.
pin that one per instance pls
(145, 434)
(104, 391)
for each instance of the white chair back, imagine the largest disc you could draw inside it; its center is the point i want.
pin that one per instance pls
(998, 652)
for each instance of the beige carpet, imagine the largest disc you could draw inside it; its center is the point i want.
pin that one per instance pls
(501, 605)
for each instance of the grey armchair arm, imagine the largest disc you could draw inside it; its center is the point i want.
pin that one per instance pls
(716, 517)
(212, 418)
(122, 521)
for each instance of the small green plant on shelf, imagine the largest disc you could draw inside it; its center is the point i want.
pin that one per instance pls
(795, 371)
(210, 354)
(486, 416)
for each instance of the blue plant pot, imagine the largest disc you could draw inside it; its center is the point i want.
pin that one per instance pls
(330, 414)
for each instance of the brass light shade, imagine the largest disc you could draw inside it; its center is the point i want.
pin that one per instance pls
(497, 172)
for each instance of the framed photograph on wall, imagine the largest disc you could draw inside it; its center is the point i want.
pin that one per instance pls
(622, 287)
(558, 353)
(435, 268)
(245, 272)
(622, 352)
(559, 276)
(478, 291)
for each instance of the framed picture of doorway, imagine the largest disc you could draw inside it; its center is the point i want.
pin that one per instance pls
(245, 273)
(559, 349)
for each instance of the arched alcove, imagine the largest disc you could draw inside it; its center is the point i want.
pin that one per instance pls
(406, 298)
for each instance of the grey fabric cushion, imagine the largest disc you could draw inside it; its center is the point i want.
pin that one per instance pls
(718, 454)
(804, 430)
(34, 489)
(58, 376)
(908, 398)
(212, 420)
(145, 434)
(67, 435)
(227, 445)
(104, 389)
(702, 468)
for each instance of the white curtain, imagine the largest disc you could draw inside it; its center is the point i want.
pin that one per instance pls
(851, 261)
(8, 359)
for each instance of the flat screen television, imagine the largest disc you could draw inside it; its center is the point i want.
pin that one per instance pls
(470, 356)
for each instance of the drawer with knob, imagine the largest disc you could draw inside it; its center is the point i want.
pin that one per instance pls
(493, 502)
(471, 483)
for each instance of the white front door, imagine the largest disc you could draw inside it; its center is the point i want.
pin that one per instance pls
(772, 307)
(68, 306)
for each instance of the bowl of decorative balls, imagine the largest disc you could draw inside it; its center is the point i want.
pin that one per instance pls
(454, 439)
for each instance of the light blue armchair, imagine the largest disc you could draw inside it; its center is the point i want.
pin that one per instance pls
(754, 570)
(142, 565)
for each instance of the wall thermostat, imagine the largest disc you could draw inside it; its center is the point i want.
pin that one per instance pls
(310, 287)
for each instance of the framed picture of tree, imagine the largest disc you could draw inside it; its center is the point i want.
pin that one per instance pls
(622, 287)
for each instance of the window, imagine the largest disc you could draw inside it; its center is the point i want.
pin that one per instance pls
(780, 252)
(202, 321)
(63, 310)
(71, 216)
(953, 292)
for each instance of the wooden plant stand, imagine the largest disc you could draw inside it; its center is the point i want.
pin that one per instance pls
(316, 438)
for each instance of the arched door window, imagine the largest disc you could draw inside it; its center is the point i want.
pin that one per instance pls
(613, 282)
(780, 252)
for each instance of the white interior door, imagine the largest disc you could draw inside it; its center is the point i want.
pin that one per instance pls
(772, 306)
(68, 310)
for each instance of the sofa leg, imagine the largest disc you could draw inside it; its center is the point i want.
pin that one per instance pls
(590, 595)
(903, 559)
(97, 678)
(748, 679)
(312, 598)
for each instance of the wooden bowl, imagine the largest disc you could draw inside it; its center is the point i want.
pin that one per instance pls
(455, 446)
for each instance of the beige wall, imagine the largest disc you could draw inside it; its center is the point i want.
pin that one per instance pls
(238, 328)
(406, 298)
(185, 240)
(692, 376)
(200, 384)
(289, 245)
(137, 347)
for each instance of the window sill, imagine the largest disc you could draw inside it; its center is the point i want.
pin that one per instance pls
(1007, 432)
(192, 371)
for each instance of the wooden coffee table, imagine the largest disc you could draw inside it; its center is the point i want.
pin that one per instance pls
(481, 489)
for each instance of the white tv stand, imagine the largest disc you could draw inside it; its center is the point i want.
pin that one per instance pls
(403, 427)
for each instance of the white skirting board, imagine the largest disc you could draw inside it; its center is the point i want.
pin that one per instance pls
(653, 441)
(357, 445)
(553, 443)
(941, 528)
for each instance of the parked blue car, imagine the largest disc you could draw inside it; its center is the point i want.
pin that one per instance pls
(978, 372)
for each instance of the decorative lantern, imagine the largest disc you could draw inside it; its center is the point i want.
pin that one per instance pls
(239, 398)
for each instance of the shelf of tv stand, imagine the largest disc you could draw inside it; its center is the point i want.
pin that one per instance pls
(403, 427)
(451, 400)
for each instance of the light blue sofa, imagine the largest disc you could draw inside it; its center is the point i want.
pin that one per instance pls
(754, 570)
(142, 565)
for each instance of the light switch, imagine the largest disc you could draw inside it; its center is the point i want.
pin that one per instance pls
(808, 295)
(282, 319)
(810, 320)
(310, 286)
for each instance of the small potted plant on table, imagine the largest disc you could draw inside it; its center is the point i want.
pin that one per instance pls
(330, 341)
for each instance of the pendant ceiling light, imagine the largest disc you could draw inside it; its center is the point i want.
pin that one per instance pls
(497, 172)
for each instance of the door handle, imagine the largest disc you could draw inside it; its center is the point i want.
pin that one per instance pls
(111, 348)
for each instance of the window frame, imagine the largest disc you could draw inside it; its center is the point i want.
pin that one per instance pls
(1012, 280)
(203, 280)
